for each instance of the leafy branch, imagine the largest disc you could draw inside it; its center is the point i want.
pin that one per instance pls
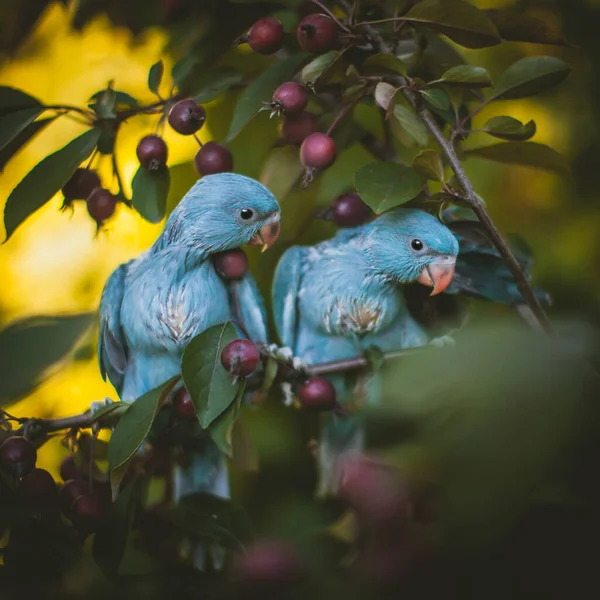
(470, 196)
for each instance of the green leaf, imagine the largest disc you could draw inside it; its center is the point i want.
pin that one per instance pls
(429, 164)
(221, 428)
(122, 100)
(261, 90)
(526, 154)
(437, 98)
(211, 84)
(150, 191)
(271, 370)
(31, 348)
(466, 76)
(110, 540)
(281, 170)
(411, 125)
(13, 100)
(462, 22)
(21, 139)
(385, 185)
(47, 178)
(516, 26)
(134, 425)
(155, 76)
(313, 71)
(384, 94)
(510, 129)
(212, 389)
(105, 103)
(384, 63)
(529, 76)
(12, 124)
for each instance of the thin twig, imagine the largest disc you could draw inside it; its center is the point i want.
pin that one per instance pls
(324, 8)
(474, 201)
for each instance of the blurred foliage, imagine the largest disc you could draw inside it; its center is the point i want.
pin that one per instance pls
(505, 431)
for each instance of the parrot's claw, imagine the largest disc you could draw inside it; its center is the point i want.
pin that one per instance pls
(288, 394)
(443, 342)
(96, 407)
(299, 364)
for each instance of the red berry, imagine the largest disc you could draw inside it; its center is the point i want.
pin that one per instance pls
(101, 205)
(38, 489)
(291, 97)
(231, 264)
(70, 492)
(317, 393)
(152, 153)
(318, 151)
(213, 158)
(294, 129)
(266, 36)
(17, 456)
(86, 514)
(271, 563)
(186, 117)
(240, 357)
(349, 210)
(69, 470)
(183, 405)
(81, 185)
(374, 490)
(317, 33)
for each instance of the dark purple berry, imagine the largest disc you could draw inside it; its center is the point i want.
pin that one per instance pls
(81, 185)
(290, 97)
(69, 470)
(186, 117)
(152, 152)
(294, 129)
(101, 205)
(231, 264)
(70, 492)
(86, 514)
(213, 158)
(318, 151)
(349, 210)
(38, 489)
(317, 393)
(17, 456)
(183, 405)
(317, 33)
(240, 357)
(266, 36)
(270, 563)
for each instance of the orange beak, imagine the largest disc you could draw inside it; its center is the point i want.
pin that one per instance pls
(438, 275)
(266, 236)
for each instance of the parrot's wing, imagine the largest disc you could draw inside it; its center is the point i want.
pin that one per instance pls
(247, 302)
(286, 286)
(112, 347)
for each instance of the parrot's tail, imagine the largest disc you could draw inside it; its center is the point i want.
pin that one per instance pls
(206, 473)
(341, 437)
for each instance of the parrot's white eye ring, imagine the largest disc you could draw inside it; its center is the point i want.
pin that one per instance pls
(417, 245)
(246, 214)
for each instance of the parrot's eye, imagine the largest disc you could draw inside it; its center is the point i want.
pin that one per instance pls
(417, 245)
(246, 214)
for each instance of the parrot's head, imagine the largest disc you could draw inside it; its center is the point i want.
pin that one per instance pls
(222, 212)
(410, 245)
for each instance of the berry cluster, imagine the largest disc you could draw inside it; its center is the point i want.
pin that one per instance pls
(36, 489)
(316, 33)
(186, 117)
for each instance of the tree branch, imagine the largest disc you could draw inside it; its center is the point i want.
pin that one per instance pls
(474, 201)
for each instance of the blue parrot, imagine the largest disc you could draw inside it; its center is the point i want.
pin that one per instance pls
(360, 288)
(152, 306)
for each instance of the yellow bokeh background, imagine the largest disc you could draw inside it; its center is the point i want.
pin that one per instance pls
(55, 263)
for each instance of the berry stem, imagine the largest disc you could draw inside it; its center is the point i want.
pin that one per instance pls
(345, 110)
(198, 140)
(326, 10)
